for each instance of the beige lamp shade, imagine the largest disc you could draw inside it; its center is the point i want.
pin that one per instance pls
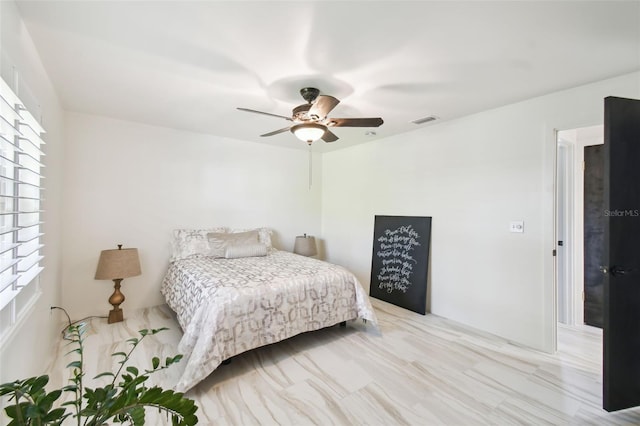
(305, 245)
(118, 263)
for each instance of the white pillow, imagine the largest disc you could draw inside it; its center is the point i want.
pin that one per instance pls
(264, 235)
(218, 242)
(191, 242)
(247, 250)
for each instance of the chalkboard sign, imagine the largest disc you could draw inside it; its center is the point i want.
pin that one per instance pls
(400, 261)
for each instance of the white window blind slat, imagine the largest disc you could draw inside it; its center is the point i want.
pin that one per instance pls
(7, 295)
(7, 148)
(26, 277)
(6, 264)
(7, 230)
(28, 176)
(28, 162)
(29, 137)
(28, 248)
(7, 110)
(5, 247)
(29, 262)
(7, 128)
(20, 195)
(5, 138)
(8, 95)
(7, 279)
(30, 120)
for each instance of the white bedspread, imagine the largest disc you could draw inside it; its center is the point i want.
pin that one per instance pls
(228, 306)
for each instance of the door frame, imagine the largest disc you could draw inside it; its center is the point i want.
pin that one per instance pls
(570, 172)
(549, 226)
(576, 260)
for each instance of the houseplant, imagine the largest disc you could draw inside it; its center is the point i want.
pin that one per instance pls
(122, 400)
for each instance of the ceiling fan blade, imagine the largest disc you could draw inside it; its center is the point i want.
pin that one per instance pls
(354, 122)
(265, 113)
(329, 136)
(322, 106)
(275, 132)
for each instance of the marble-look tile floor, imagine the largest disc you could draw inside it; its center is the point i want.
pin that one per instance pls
(419, 370)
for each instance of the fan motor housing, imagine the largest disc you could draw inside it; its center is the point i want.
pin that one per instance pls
(299, 113)
(309, 94)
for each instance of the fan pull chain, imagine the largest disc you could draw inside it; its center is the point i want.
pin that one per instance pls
(310, 167)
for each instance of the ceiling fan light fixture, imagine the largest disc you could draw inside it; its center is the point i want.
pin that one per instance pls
(308, 132)
(310, 121)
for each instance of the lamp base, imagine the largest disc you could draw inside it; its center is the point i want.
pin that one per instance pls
(115, 315)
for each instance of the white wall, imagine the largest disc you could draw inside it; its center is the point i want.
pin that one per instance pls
(26, 348)
(133, 184)
(473, 176)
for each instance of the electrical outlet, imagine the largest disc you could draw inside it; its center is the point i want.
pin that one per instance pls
(516, 226)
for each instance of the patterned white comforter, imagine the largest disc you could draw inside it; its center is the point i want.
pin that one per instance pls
(228, 306)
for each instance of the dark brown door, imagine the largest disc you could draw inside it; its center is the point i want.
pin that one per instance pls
(621, 254)
(593, 234)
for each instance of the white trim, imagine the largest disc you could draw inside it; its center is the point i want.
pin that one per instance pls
(566, 253)
(24, 313)
(549, 243)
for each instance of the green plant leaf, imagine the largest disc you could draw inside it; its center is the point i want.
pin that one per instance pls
(74, 364)
(70, 388)
(17, 411)
(133, 370)
(136, 415)
(155, 362)
(74, 351)
(34, 412)
(55, 415)
(39, 383)
(46, 402)
(7, 388)
(106, 373)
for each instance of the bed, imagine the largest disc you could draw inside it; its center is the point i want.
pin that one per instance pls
(227, 305)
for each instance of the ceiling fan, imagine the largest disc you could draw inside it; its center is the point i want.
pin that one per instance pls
(310, 121)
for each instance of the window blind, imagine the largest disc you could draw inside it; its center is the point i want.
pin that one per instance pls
(20, 196)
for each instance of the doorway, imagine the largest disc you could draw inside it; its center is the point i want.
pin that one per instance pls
(573, 256)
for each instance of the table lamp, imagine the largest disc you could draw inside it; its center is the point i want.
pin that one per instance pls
(116, 265)
(305, 245)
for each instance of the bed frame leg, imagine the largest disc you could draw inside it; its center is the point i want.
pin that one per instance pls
(226, 361)
(343, 324)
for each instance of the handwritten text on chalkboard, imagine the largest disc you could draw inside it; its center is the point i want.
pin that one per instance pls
(396, 247)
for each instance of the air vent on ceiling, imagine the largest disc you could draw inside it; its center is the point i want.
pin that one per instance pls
(424, 119)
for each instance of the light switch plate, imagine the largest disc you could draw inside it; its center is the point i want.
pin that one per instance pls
(516, 226)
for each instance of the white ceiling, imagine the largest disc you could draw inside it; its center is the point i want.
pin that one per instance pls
(188, 65)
